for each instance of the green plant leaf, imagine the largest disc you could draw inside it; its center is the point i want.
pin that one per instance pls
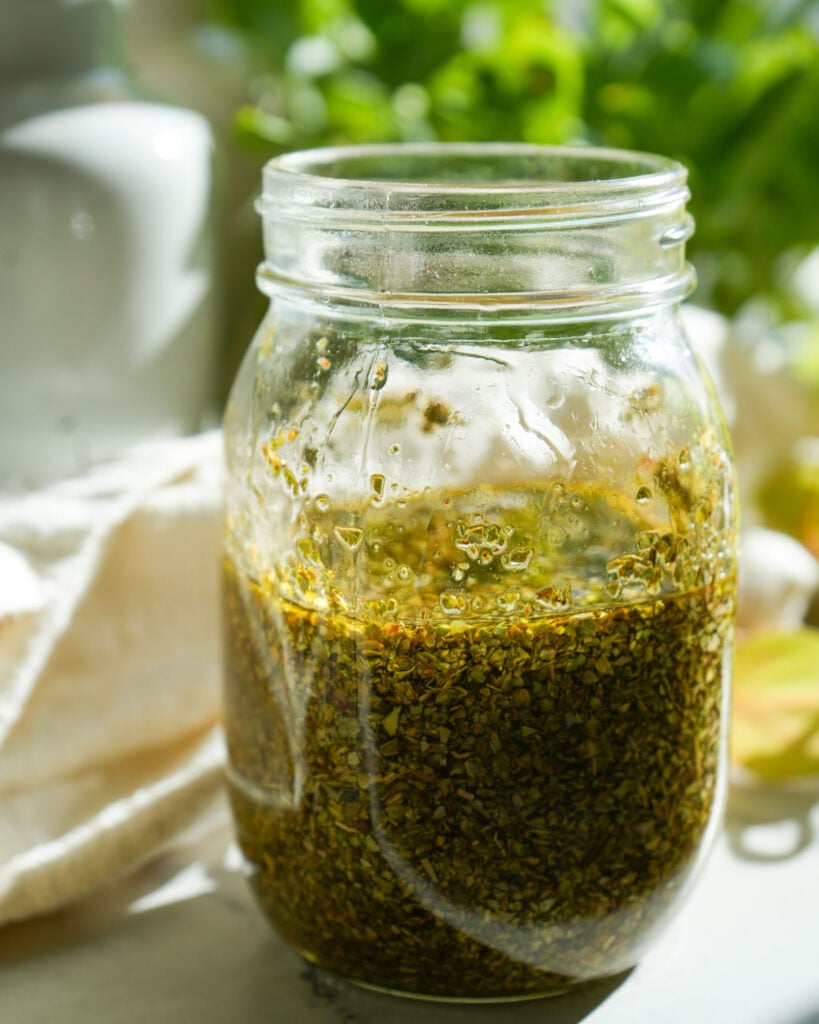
(775, 723)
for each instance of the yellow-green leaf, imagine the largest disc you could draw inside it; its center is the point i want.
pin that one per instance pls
(775, 724)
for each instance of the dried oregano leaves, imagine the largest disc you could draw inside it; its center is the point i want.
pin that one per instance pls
(489, 798)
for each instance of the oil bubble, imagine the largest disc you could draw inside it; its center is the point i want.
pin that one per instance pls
(508, 601)
(518, 559)
(452, 602)
(378, 377)
(349, 536)
(377, 483)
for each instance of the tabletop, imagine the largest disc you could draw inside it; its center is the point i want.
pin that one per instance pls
(182, 941)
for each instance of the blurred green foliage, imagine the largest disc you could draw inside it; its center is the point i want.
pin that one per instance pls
(730, 87)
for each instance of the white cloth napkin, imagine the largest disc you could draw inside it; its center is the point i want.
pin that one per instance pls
(110, 743)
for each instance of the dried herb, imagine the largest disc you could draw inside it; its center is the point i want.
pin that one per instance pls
(481, 779)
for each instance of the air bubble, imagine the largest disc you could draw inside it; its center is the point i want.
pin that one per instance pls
(394, 449)
(404, 573)
(459, 571)
(685, 458)
(577, 502)
(322, 502)
(643, 496)
(478, 603)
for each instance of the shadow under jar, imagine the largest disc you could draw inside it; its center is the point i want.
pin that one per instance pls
(479, 567)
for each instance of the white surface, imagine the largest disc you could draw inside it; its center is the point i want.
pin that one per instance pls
(184, 942)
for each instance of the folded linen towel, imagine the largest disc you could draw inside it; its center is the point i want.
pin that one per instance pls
(110, 742)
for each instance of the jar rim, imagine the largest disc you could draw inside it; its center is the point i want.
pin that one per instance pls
(505, 177)
(559, 231)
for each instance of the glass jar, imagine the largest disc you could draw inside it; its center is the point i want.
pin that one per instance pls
(479, 567)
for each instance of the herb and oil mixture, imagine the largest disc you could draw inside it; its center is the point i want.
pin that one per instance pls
(474, 755)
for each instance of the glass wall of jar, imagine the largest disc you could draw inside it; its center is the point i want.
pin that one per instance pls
(479, 567)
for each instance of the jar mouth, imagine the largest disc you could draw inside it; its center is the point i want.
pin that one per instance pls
(501, 229)
(473, 180)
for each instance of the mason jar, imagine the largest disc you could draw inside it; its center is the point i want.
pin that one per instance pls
(479, 567)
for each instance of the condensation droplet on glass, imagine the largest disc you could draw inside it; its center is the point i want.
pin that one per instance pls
(394, 449)
(577, 502)
(404, 573)
(377, 482)
(401, 503)
(452, 603)
(322, 502)
(350, 536)
(389, 564)
(643, 496)
(375, 547)
(685, 458)
(459, 571)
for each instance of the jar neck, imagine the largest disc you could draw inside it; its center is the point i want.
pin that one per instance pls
(499, 231)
